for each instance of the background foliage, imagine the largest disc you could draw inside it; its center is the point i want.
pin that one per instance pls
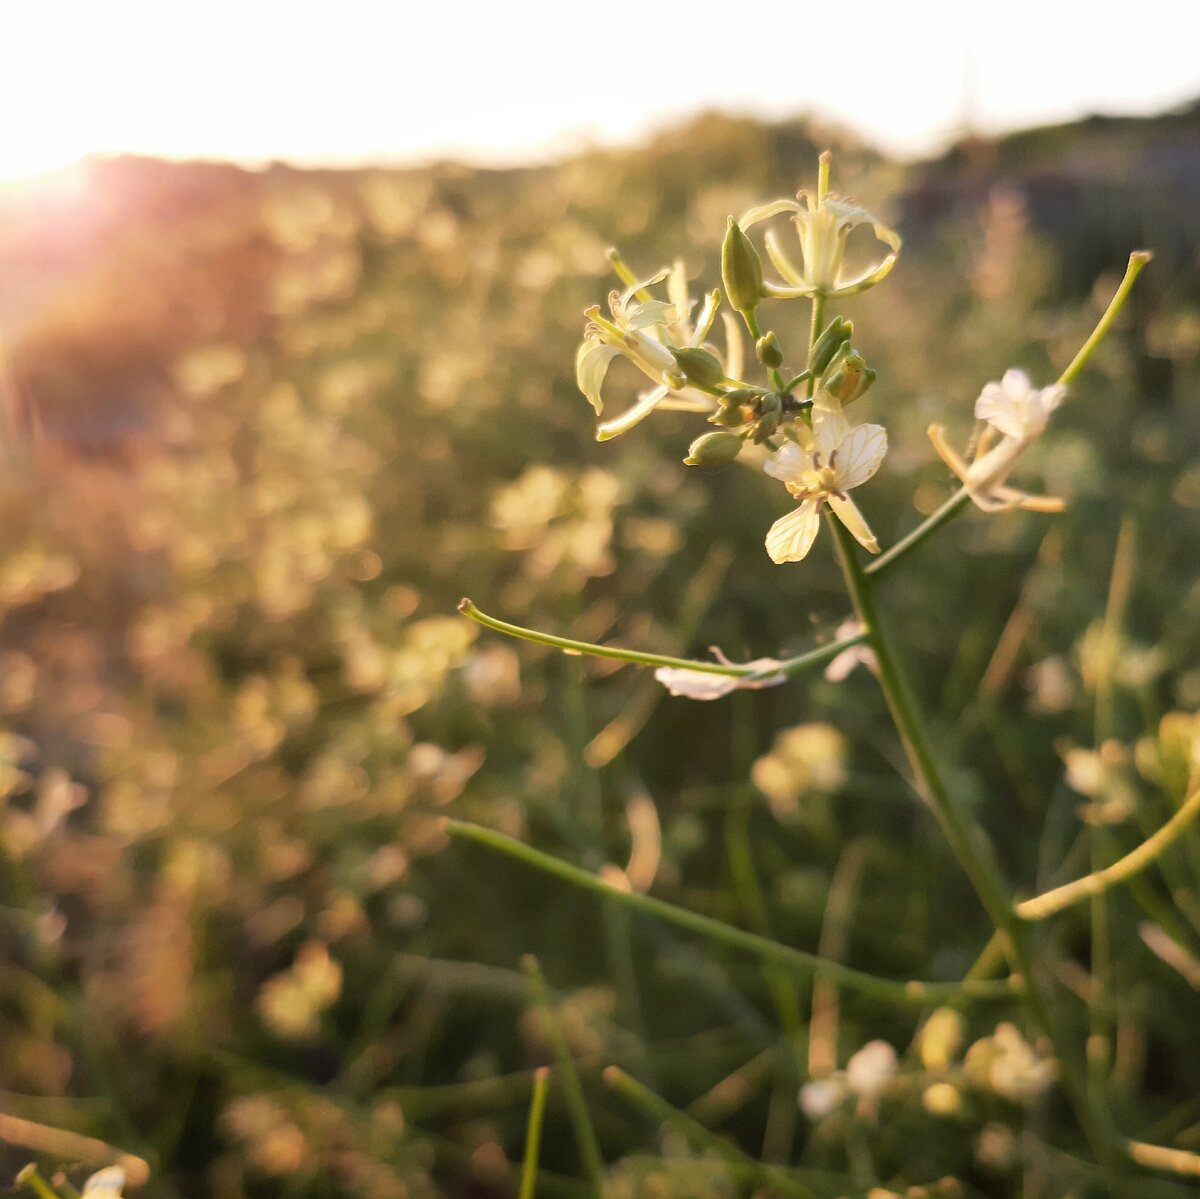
(263, 430)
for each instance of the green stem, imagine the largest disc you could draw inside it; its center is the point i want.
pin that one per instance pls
(568, 1076)
(701, 1138)
(790, 666)
(966, 842)
(947, 512)
(533, 1133)
(912, 993)
(31, 1177)
(1132, 863)
(1137, 260)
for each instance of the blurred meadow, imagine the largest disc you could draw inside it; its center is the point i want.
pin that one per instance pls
(262, 429)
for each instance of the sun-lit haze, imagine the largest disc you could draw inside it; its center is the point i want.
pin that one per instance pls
(255, 80)
(368, 80)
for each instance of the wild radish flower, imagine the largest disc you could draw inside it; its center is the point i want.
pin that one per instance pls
(1018, 412)
(831, 459)
(699, 684)
(650, 333)
(823, 224)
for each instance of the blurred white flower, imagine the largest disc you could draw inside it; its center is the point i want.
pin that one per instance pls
(870, 1069)
(831, 459)
(700, 684)
(821, 1096)
(857, 655)
(1018, 412)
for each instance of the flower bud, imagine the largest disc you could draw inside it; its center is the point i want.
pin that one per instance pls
(768, 351)
(836, 334)
(741, 269)
(700, 366)
(713, 449)
(850, 380)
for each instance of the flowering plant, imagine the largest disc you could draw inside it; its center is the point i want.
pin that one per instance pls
(794, 424)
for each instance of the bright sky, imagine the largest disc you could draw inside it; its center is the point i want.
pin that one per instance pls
(505, 80)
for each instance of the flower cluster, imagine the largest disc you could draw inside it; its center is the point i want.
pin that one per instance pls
(799, 416)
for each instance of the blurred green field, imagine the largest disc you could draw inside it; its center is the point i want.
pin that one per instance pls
(262, 430)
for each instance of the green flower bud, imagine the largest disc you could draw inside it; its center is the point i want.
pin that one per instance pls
(837, 333)
(850, 380)
(713, 449)
(701, 367)
(741, 269)
(765, 426)
(739, 395)
(768, 351)
(732, 417)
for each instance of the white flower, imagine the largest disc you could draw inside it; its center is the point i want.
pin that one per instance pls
(700, 684)
(832, 459)
(642, 330)
(1018, 412)
(821, 1096)
(823, 224)
(870, 1069)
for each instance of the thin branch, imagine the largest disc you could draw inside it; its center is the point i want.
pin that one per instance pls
(913, 993)
(1041, 906)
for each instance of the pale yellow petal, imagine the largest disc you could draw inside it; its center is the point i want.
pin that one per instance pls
(859, 455)
(632, 416)
(591, 365)
(791, 537)
(847, 512)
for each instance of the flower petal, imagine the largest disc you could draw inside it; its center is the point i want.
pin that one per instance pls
(787, 464)
(763, 212)
(859, 455)
(591, 365)
(695, 684)
(790, 538)
(783, 264)
(652, 312)
(632, 416)
(846, 510)
(830, 429)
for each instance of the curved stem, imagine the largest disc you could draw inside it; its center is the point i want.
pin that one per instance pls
(1099, 881)
(789, 667)
(912, 994)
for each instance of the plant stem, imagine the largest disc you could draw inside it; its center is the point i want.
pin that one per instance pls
(912, 993)
(1137, 260)
(1100, 881)
(966, 841)
(568, 1077)
(789, 667)
(533, 1133)
(747, 1167)
(948, 511)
